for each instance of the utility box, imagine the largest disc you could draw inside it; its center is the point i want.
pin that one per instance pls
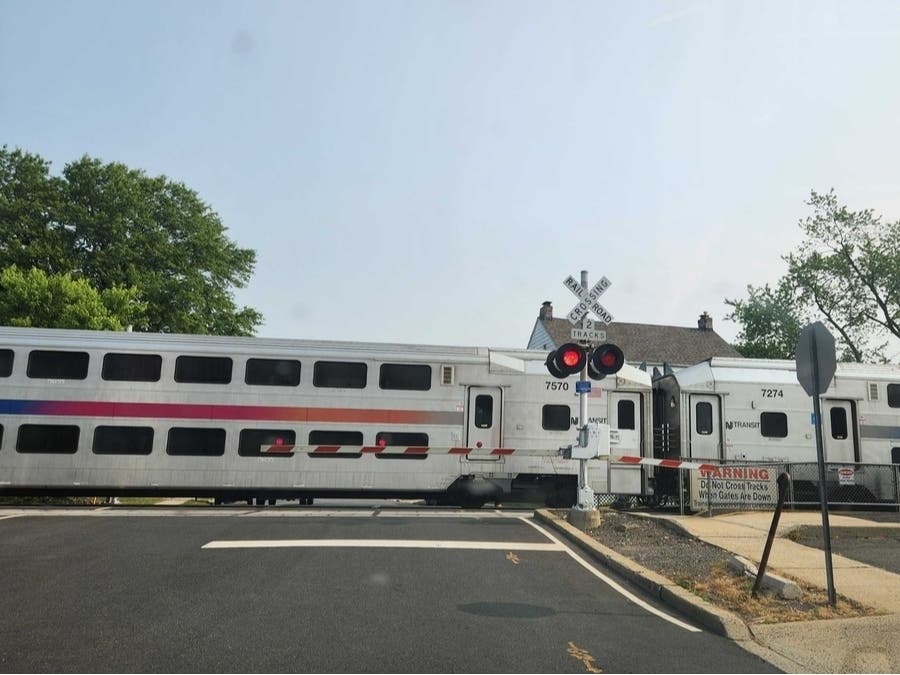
(593, 441)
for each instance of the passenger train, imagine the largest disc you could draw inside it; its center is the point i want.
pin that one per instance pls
(103, 413)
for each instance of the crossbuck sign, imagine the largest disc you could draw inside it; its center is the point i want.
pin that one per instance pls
(588, 301)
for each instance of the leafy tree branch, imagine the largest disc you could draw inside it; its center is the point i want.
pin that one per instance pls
(846, 272)
(116, 227)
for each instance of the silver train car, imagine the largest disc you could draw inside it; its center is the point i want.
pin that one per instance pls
(755, 411)
(115, 414)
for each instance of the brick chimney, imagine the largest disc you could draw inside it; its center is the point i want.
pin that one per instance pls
(546, 311)
(705, 322)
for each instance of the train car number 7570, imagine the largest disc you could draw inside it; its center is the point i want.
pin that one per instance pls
(557, 386)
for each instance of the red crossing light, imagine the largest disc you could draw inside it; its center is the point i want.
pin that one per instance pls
(572, 358)
(605, 360)
(567, 360)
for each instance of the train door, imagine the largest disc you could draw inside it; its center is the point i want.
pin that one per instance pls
(705, 432)
(484, 417)
(839, 431)
(625, 411)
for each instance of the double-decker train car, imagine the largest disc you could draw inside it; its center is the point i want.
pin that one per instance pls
(104, 413)
(755, 410)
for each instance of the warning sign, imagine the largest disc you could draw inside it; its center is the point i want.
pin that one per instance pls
(734, 485)
(846, 476)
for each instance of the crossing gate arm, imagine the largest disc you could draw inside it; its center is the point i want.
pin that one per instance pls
(387, 450)
(667, 463)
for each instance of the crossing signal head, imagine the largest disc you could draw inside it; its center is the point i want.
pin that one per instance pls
(567, 360)
(605, 360)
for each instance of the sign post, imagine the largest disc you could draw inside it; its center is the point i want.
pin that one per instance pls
(816, 364)
(586, 331)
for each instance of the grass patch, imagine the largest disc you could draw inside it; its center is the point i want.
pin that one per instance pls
(139, 501)
(726, 589)
(153, 501)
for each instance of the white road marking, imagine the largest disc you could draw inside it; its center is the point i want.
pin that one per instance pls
(387, 543)
(612, 584)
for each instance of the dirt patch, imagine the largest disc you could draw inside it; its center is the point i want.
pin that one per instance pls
(724, 588)
(702, 569)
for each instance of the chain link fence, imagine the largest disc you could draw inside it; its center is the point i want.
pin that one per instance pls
(872, 485)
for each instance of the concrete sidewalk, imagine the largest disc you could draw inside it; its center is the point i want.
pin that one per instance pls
(864, 645)
(870, 644)
(745, 534)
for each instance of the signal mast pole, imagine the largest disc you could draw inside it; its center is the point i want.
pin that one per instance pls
(585, 514)
(585, 493)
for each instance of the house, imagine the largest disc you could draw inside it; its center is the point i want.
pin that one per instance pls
(646, 345)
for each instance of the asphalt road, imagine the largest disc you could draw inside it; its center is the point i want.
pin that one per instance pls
(116, 590)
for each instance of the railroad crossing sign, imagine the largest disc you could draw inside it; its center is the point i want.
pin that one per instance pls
(604, 360)
(588, 301)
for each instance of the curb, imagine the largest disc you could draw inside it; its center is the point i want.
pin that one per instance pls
(707, 615)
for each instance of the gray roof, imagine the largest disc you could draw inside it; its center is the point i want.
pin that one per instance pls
(641, 342)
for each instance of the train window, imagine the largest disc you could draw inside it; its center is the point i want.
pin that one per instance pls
(54, 365)
(405, 376)
(773, 424)
(205, 369)
(273, 372)
(196, 441)
(838, 423)
(251, 440)
(484, 411)
(895, 455)
(409, 439)
(6, 362)
(61, 438)
(132, 367)
(704, 417)
(893, 395)
(625, 413)
(123, 440)
(556, 417)
(339, 374)
(326, 437)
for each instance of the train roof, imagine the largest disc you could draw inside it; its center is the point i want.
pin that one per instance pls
(529, 361)
(771, 371)
(88, 339)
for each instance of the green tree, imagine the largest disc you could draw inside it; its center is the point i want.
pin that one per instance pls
(29, 208)
(33, 298)
(770, 322)
(846, 273)
(117, 227)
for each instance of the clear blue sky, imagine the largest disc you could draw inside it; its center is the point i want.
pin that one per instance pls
(431, 172)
